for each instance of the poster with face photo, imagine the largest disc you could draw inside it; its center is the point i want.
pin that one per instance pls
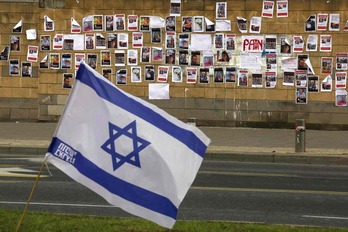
(109, 22)
(27, 69)
(221, 10)
(120, 59)
(105, 57)
(230, 42)
(243, 78)
(191, 75)
(170, 39)
(32, 53)
(162, 73)
(301, 95)
(271, 43)
(271, 79)
(15, 42)
(322, 22)
(184, 41)
(285, 46)
(218, 75)
(66, 60)
(14, 68)
(183, 57)
(54, 60)
(67, 80)
(136, 74)
(107, 73)
(310, 24)
(326, 65)
(132, 23)
(145, 23)
(175, 7)
(198, 24)
(170, 56)
(325, 43)
(45, 43)
(341, 97)
(341, 80)
(132, 56)
(120, 20)
(195, 58)
(87, 23)
(145, 54)
(92, 60)
(256, 80)
(289, 78)
(176, 74)
(255, 25)
(223, 56)
(121, 77)
(98, 22)
(123, 40)
(186, 24)
(334, 23)
(156, 35)
(79, 57)
(204, 75)
(100, 41)
(149, 73)
(313, 84)
(89, 41)
(231, 73)
(341, 61)
(170, 23)
(219, 41)
(137, 39)
(157, 54)
(267, 9)
(112, 40)
(48, 24)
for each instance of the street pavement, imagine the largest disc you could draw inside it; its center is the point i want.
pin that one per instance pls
(230, 143)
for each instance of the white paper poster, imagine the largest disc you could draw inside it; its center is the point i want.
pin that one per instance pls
(201, 42)
(252, 43)
(250, 61)
(158, 91)
(223, 25)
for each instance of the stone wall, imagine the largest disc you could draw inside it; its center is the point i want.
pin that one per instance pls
(222, 104)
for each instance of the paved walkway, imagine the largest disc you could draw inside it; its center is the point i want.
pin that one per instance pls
(247, 144)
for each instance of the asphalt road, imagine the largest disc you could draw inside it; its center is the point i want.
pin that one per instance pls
(315, 195)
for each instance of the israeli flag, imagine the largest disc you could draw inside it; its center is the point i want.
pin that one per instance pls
(127, 150)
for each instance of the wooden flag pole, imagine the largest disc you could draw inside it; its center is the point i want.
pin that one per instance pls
(31, 194)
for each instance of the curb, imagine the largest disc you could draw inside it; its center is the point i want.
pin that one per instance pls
(290, 158)
(237, 156)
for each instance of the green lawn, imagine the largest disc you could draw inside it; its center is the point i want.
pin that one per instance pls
(46, 222)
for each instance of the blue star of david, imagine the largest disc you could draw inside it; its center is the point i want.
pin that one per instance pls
(132, 157)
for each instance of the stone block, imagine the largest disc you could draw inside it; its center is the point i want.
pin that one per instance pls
(19, 113)
(55, 110)
(4, 113)
(194, 92)
(5, 92)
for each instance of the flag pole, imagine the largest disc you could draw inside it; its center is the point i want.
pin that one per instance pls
(31, 194)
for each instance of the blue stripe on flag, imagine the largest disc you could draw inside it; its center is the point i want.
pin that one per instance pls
(118, 98)
(119, 187)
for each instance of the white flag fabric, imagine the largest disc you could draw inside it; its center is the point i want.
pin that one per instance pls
(127, 150)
